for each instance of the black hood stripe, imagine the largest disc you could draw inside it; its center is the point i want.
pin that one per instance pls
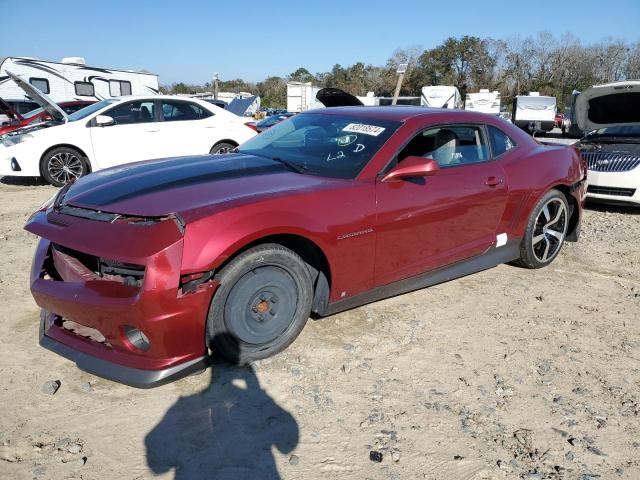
(116, 185)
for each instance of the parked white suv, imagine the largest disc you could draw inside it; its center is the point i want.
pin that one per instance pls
(116, 131)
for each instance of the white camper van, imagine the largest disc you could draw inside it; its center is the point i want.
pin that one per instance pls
(534, 108)
(483, 101)
(71, 79)
(441, 96)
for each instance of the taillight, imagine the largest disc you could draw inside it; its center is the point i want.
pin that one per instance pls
(252, 126)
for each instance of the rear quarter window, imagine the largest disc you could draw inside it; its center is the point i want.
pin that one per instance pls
(501, 143)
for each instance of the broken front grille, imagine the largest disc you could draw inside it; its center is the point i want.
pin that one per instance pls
(620, 192)
(610, 161)
(73, 266)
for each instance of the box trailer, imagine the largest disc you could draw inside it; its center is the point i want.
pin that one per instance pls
(302, 97)
(570, 126)
(483, 101)
(441, 96)
(533, 109)
(71, 79)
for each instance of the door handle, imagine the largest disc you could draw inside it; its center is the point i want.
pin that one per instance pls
(153, 130)
(493, 181)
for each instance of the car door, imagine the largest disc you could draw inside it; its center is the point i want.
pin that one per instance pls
(133, 136)
(190, 127)
(428, 222)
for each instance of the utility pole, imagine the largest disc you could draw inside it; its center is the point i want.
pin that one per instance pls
(402, 68)
(215, 86)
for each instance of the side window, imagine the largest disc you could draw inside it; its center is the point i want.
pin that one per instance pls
(133, 112)
(119, 87)
(176, 111)
(84, 89)
(24, 107)
(41, 84)
(125, 88)
(448, 145)
(500, 141)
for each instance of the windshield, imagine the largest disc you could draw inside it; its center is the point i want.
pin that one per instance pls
(336, 146)
(86, 111)
(272, 120)
(618, 131)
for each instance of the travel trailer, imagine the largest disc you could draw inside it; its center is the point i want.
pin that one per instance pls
(441, 96)
(71, 79)
(483, 101)
(534, 111)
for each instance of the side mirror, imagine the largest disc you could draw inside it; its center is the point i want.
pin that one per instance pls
(412, 167)
(104, 120)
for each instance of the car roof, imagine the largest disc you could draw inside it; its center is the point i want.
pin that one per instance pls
(157, 97)
(403, 113)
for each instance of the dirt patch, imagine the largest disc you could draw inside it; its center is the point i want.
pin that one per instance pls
(509, 373)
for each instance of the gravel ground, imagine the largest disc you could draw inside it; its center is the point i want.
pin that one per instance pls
(509, 373)
(555, 136)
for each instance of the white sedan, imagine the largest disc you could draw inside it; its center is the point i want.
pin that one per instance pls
(118, 131)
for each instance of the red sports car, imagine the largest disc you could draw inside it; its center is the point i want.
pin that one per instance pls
(142, 269)
(39, 115)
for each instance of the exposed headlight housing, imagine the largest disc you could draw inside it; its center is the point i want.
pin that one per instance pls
(11, 140)
(49, 202)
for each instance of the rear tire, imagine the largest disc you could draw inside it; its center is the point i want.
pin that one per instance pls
(261, 306)
(546, 231)
(62, 165)
(221, 148)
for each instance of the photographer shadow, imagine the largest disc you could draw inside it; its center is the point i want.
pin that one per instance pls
(224, 432)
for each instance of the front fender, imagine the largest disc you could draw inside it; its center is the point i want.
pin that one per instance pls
(211, 241)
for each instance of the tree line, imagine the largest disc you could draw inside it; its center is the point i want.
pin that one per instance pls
(543, 63)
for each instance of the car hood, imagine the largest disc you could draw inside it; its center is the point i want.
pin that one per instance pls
(608, 105)
(334, 97)
(185, 185)
(40, 98)
(7, 110)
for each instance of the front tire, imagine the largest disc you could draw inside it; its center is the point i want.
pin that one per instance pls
(261, 306)
(221, 148)
(546, 231)
(62, 165)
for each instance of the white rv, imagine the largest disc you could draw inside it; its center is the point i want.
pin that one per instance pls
(71, 79)
(483, 101)
(533, 110)
(441, 96)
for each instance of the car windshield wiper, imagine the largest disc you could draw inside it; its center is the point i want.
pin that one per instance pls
(294, 167)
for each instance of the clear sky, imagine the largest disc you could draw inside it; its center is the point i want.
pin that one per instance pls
(189, 40)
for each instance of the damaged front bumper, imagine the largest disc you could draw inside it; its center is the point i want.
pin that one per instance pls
(135, 377)
(144, 331)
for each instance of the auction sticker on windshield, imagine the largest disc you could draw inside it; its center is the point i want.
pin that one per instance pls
(372, 130)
